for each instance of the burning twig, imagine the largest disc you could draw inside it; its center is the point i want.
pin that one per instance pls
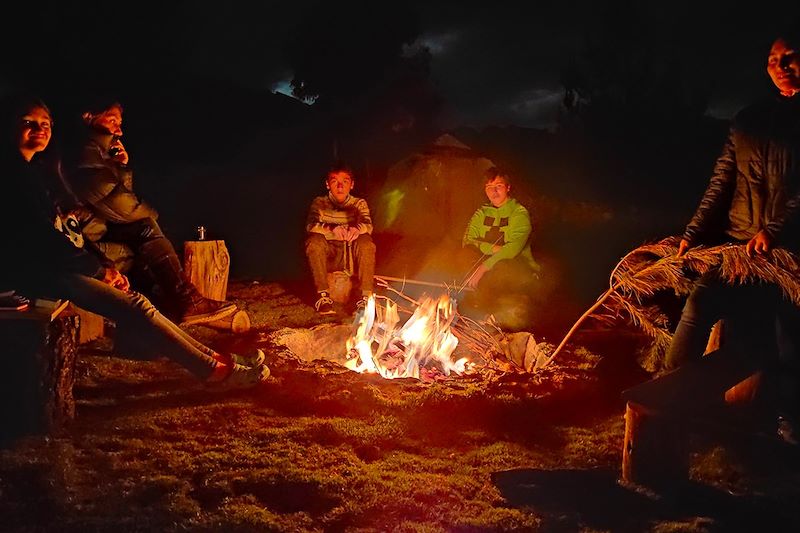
(385, 285)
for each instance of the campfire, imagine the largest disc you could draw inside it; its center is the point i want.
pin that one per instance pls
(435, 343)
(421, 348)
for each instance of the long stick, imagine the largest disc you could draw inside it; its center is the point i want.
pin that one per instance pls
(412, 281)
(400, 294)
(612, 287)
(584, 316)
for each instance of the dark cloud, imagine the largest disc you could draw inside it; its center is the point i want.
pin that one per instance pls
(500, 62)
(504, 63)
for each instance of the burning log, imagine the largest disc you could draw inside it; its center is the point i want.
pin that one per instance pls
(424, 338)
(424, 347)
(434, 342)
(497, 349)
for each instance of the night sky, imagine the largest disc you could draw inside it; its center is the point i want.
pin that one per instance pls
(499, 63)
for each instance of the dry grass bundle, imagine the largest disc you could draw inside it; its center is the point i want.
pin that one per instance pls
(653, 268)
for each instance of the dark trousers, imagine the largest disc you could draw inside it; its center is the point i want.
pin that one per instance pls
(760, 329)
(749, 311)
(510, 276)
(787, 379)
(328, 256)
(144, 237)
(155, 263)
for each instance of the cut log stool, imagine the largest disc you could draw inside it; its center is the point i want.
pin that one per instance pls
(38, 354)
(661, 412)
(654, 453)
(340, 285)
(207, 264)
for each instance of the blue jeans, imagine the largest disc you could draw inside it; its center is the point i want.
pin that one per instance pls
(143, 331)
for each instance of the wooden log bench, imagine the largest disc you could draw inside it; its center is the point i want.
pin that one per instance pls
(91, 326)
(207, 265)
(707, 395)
(38, 349)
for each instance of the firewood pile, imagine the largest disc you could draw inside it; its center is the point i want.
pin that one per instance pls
(482, 342)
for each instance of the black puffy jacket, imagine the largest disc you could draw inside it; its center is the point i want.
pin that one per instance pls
(756, 181)
(104, 185)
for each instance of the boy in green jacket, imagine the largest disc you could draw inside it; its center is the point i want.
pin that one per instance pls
(500, 233)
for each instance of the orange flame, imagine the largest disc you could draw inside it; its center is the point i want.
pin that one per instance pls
(424, 341)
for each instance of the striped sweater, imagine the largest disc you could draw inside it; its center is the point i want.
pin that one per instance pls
(325, 214)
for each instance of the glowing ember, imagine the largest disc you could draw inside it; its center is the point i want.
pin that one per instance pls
(422, 346)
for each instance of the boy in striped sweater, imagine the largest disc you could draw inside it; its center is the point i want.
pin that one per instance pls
(339, 229)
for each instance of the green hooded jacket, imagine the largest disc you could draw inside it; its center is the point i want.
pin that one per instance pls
(508, 226)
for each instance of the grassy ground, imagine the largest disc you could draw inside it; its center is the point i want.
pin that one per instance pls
(322, 449)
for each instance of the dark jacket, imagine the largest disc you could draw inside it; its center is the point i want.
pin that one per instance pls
(35, 204)
(756, 181)
(103, 184)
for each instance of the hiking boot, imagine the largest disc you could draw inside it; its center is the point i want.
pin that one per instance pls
(252, 360)
(181, 301)
(201, 310)
(241, 377)
(324, 305)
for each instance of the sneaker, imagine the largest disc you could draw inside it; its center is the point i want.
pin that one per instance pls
(324, 305)
(249, 360)
(242, 377)
(203, 310)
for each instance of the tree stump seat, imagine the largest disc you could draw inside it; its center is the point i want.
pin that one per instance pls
(207, 265)
(712, 396)
(38, 348)
(661, 414)
(340, 286)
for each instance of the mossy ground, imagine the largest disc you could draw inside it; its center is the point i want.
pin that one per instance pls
(322, 449)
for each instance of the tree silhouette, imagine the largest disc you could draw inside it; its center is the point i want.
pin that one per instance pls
(625, 69)
(339, 52)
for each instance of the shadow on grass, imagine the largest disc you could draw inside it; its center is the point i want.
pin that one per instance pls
(141, 398)
(593, 498)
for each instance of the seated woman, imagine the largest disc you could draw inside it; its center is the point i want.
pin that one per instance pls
(45, 257)
(497, 245)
